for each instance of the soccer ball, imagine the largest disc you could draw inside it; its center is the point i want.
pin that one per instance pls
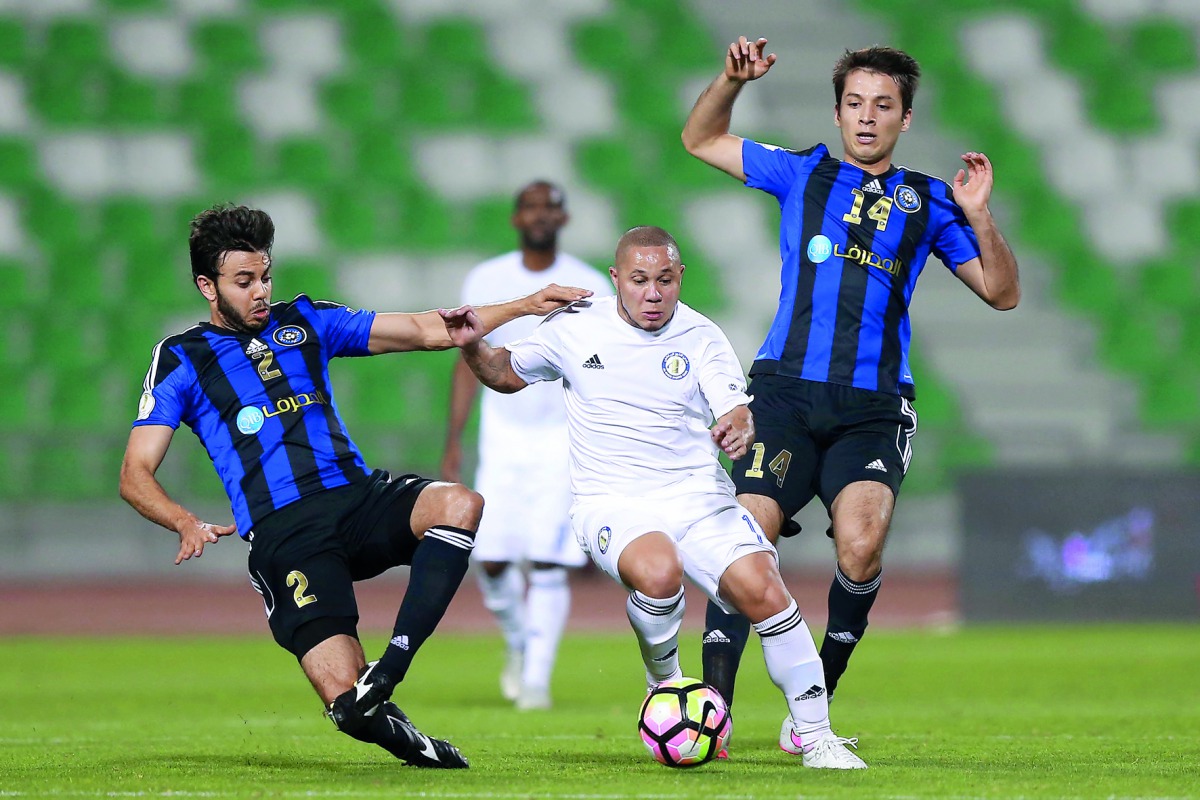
(684, 723)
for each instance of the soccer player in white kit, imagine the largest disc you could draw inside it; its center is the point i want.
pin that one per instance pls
(522, 472)
(644, 376)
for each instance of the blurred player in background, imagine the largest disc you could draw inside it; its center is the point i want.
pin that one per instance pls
(253, 385)
(831, 384)
(643, 377)
(522, 471)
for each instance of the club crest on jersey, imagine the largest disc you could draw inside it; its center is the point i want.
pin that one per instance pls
(907, 199)
(145, 405)
(676, 366)
(250, 420)
(820, 248)
(289, 336)
(604, 537)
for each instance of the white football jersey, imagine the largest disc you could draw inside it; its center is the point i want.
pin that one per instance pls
(505, 419)
(639, 404)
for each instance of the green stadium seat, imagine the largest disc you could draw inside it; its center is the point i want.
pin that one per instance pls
(1082, 44)
(158, 273)
(1183, 218)
(1170, 283)
(1132, 342)
(66, 94)
(18, 292)
(380, 157)
(608, 164)
(15, 402)
(1120, 99)
(374, 37)
(504, 104)
(306, 163)
(353, 219)
(205, 100)
(458, 39)
(1171, 400)
(227, 46)
(427, 222)
(77, 41)
(16, 338)
(135, 102)
(231, 158)
(490, 228)
(295, 276)
(14, 43)
(604, 45)
(361, 102)
(130, 221)
(1162, 45)
(52, 219)
(19, 169)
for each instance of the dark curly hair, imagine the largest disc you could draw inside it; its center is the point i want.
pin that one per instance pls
(896, 64)
(224, 228)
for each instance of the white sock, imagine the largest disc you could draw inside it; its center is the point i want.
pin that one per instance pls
(547, 606)
(656, 622)
(795, 667)
(504, 596)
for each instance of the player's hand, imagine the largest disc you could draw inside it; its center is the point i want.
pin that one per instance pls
(973, 186)
(554, 297)
(734, 432)
(451, 470)
(745, 60)
(462, 325)
(194, 535)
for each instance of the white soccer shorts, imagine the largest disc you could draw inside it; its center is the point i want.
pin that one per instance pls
(710, 529)
(525, 513)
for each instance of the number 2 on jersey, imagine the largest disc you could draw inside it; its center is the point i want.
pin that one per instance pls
(296, 578)
(778, 466)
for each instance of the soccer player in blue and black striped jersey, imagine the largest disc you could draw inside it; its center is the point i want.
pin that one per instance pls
(253, 385)
(832, 387)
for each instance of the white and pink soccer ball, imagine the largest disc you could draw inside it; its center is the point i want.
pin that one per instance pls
(684, 723)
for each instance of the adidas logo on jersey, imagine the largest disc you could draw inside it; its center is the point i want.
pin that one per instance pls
(593, 363)
(712, 637)
(876, 464)
(255, 348)
(873, 186)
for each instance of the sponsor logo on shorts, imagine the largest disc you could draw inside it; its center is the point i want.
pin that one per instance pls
(604, 538)
(877, 464)
(676, 365)
(290, 336)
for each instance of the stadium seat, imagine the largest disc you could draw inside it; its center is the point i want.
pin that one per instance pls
(14, 43)
(1162, 45)
(226, 46)
(135, 102)
(306, 163)
(18, 164)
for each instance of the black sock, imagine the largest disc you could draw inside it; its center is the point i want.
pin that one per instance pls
(725, 638)
(438, 567)
(849, 604)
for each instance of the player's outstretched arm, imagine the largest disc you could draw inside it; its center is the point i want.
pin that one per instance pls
(143, 454)
(491, 365)
(734, 432)
(706, 133)
(401, 333)
(993, 276)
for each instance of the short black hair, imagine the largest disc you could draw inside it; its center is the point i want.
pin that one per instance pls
(557, 195)
(224, 228)
(646, 236)
(896, 64)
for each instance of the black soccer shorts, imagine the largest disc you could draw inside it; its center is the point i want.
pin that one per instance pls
(305, 557)
(814, 439)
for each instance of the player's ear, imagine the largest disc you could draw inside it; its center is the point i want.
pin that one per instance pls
(837, 114)
(907, 120)
(206, 286)
(612, 273)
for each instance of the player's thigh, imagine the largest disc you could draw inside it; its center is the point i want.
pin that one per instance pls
(719, 533)
(297, 562)
(604, 527)
(378, 529)
(783, 461)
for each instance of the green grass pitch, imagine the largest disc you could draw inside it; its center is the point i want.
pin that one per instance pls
(1054, 712)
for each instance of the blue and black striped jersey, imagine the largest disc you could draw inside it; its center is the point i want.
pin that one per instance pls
(852, 246)
(261, 403)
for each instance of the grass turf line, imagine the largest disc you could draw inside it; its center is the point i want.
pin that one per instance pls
(1053, 711)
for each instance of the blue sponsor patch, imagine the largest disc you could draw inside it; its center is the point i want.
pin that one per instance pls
(819, 248)
(250, 420)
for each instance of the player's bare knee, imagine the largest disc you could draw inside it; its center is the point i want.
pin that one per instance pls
(860, 559)
(455, 504)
